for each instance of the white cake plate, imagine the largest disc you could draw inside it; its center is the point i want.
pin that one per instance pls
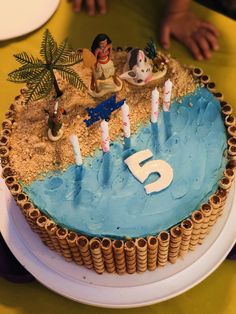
(20, 17)
(110, 290)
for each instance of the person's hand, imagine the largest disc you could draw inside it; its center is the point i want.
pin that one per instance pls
(199, 36)
(91, 6)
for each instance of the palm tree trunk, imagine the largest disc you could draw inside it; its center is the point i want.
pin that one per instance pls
(57, 89)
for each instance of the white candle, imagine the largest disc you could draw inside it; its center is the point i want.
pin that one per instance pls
(56, 107)
(105, 136)
(155, 105)
(76, 149)
(125, 119)
(167, 95)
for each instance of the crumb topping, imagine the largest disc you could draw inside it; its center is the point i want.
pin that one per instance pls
(32, 154)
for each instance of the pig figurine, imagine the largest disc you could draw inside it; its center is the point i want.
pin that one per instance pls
(138, 69)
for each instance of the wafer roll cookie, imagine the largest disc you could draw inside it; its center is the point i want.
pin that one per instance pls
(141, 252)
(205, 79)
(197, 72)
(15, 189)
(222, 194)
(51, 229)
(26, 207)
(4, 160)
(229, 173)
(119, 256)
(211, 86)
(9, 181)
(231, 141)
(8, 171)
(220, 211)
(96, 251)
(21, 199)
(152, 247)
(33, 215)
(163, 248)
(232, 163)
(226, 110)
(7, 124)
(225, 183)
(41, 222)
(4, 154)
(219, 96)
(4, 140)
(175, 242)
(186, 228)
(108, 256)
(206, 210)
(230, 120)
(62, 234)
(7, 132)
(197, 219)
(215, 202)
(130, 256)
(83, 244)
(72, 242)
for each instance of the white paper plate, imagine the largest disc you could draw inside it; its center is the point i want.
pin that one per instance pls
(19, 17)
(109, 290)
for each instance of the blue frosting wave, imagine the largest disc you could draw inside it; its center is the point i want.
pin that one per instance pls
(103, 198)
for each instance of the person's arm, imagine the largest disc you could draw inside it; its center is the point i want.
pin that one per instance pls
(198, 35)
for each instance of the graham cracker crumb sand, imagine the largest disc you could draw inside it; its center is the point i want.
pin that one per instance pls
(32, 154)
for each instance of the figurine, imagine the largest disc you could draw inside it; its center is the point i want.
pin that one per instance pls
(55, 131)
(104, 79)
(143, 67)
(139, 67)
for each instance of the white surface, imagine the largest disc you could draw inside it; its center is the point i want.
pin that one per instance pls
(19, 17)
(109, 290)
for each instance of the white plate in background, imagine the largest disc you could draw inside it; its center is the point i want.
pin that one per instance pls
(20, 17)
(111, 290)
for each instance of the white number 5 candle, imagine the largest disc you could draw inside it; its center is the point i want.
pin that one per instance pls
(153, 166)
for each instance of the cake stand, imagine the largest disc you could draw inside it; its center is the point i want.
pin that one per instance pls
(111, 290)
(20, 17)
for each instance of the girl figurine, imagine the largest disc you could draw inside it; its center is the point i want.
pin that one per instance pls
(103, 68)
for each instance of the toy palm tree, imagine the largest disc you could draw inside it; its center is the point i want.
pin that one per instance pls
(39, 74)
(151, 49)
(158, 59)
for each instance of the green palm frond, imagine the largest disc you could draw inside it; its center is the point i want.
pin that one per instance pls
(24, 58)
(41, 87)
(63, 52)
(48, 47)
(151, 49)
(26, 74)
(72, 59)
(70, 76)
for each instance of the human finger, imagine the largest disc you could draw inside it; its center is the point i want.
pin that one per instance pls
(212, 39)
(165, 35)
(209, 27)
(102, 5)
(90, 6)
(203, 44)
(193, 47)
(77, 5)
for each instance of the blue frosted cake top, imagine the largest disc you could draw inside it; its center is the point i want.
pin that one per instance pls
(103, 198)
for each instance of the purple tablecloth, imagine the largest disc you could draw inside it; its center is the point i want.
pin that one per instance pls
(12, 270)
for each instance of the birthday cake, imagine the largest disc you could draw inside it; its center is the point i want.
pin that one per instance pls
(126, 180)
